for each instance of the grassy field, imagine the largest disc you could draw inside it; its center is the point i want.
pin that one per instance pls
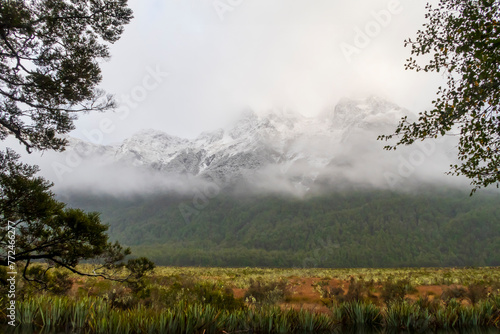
(230, 300)
(240, 277)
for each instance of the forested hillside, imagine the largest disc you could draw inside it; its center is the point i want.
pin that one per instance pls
(345, 229)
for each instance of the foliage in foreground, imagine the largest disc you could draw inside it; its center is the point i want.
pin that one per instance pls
(50, 54)
(40, 228)
(460, 39)
(95, 315)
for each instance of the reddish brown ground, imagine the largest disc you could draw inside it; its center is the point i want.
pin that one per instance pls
(77, 283)
(432, 291)
(239, 293)
(305, 295)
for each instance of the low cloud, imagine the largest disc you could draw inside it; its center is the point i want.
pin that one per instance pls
(319, 164)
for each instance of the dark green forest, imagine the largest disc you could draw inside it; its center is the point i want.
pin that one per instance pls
(373, 228)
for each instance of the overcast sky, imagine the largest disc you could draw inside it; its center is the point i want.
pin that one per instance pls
(228, 55)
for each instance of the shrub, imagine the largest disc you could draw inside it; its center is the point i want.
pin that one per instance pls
(475, 293)
(186, 289)
(93, 287)
(425, 303)
(358, 291)
(331, 292)
(121, 298)
(55, 281)
(217, 295)
(330, 295)
(260, 293)
(453, 293)
(396, 291)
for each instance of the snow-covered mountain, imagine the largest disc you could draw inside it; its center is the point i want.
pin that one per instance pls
(279, 148)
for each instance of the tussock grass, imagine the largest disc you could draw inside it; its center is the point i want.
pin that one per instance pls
(93, 315)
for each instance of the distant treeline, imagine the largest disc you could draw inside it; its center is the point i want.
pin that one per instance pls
(346, 229)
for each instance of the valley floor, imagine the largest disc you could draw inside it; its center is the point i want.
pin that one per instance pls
(219, 300)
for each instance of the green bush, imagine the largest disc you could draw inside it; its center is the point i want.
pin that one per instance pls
(93, 287)
(396, 291)
(260, 293)
(358, 291)
(476, 292)
(453, 294)
(188, 290)
(54, 281)
(121, 298)
(425, 303)
(218, 296)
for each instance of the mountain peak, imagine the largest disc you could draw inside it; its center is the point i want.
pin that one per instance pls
(350, 111)
(246, 123)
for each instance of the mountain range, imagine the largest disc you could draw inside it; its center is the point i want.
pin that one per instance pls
(275, 151)
(223, 198)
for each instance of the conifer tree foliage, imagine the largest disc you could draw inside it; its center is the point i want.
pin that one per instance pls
(462, 39)
(49, 71)
(47, 231)
(49, 65)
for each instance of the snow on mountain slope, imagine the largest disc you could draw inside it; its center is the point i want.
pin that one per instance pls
(278, 145)
(255, 141)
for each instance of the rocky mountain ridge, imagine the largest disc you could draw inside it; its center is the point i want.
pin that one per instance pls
(278, 147)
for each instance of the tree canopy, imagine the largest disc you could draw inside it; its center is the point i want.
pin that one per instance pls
(49, 71)
(462, 39)
(428, 226)
(49, 65)
(48, 231)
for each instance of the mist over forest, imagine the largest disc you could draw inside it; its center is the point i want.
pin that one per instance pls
(286, 191)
